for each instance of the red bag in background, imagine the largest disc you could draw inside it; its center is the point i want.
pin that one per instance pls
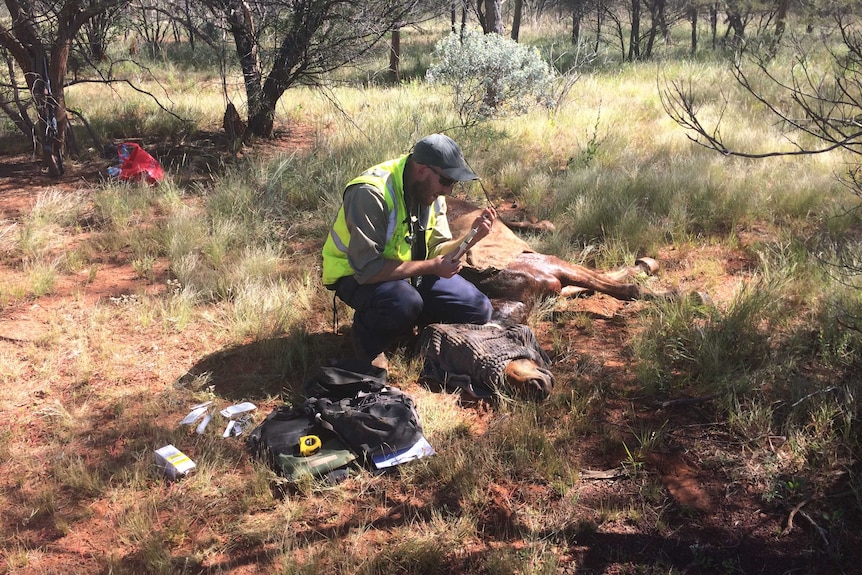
(137, 164)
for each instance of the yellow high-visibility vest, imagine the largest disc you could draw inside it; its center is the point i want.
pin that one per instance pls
(387, 179)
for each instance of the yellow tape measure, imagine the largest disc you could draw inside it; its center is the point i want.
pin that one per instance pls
(308, 445)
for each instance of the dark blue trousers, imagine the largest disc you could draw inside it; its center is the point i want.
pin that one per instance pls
(387, 311)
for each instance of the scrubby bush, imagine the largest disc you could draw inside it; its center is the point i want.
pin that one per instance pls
(491, 75)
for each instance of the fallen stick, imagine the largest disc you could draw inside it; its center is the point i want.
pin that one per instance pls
(590, 474)
(789, 527)
(686, 401)
(820, 530)
(798, 509)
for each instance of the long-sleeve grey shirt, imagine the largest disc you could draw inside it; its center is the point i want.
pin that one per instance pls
(367, 218)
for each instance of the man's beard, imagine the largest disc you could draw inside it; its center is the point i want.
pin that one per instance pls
(422, 193)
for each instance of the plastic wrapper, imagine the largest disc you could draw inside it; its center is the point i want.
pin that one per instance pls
(136, 165)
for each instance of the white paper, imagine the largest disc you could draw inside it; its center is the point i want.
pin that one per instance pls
(238, 409)
(195, 413)
(419, 449)
(203, 424)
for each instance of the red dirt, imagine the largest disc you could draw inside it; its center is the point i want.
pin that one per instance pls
(714, 523)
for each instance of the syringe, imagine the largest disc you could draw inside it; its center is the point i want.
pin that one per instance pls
(462, 247)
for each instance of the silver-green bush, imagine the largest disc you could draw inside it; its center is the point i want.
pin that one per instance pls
(491, 75)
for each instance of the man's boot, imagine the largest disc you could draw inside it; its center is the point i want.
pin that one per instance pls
(379, 361)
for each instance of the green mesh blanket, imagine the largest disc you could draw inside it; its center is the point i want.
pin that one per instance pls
(473, 358)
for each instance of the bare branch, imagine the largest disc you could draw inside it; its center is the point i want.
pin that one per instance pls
(19, 114)
(824, 110)
(138, 89)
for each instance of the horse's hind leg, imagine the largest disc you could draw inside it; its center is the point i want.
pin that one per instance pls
(578, 279)
(646, 266)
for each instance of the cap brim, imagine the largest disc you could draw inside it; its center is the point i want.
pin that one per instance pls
(461, 174)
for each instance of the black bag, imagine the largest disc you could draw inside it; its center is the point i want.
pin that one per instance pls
(277, 438)
(343, 379)
(351, 409)
(374, 425)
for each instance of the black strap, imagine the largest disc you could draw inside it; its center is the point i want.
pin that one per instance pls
(418, 249)
(334, 315)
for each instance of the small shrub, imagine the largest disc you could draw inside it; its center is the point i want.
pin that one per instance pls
(492, 76)
(840, 340)
(265, 309)
(42, 276)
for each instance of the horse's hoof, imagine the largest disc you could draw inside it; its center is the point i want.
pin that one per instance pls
(648, 265)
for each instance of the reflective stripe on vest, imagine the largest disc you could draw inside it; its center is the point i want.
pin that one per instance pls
(391, 204)
(387, 179)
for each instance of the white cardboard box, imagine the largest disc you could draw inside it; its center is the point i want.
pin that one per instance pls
(174, 462)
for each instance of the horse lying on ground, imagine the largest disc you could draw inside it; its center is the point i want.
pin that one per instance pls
(484, 360)
(514, 276)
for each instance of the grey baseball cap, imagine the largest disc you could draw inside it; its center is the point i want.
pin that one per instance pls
(443, 152)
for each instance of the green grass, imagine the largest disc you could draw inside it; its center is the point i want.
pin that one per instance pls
(774, 363)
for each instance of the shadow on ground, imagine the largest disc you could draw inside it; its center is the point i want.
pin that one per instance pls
(265, 368)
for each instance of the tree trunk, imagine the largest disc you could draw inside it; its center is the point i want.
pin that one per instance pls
(661, 15)
(262, 120)
(781, 18)
(50, 104)
(693, 20)
(713, 22)
(653, 29)
(260, 115)
(658, 23)
(493, 16)
(49, 126)
(57, 74)
(634, 41)
(516, 19)
(540, 9)
(463, 23)
(599, 22)
(395, 56)
(576, 23)
(737, 28)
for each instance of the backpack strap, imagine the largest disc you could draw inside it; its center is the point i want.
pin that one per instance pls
(334, 315)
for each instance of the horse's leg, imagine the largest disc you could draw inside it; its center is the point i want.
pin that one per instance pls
(569, 274)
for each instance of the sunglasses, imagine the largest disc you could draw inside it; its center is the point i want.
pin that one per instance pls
(445, 181)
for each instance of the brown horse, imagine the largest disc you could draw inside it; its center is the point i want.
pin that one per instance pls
(513, 275)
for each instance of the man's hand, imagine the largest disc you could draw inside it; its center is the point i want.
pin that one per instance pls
(483, 224)
(481, 227)
(444, 266)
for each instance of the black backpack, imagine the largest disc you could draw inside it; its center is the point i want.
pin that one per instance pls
(351, 409)
(344, 379)
(375, 425)
(277, 441)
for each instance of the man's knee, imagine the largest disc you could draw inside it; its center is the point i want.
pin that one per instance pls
(487, 309)
(408, 305)
(483, 310)
(396, 305)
